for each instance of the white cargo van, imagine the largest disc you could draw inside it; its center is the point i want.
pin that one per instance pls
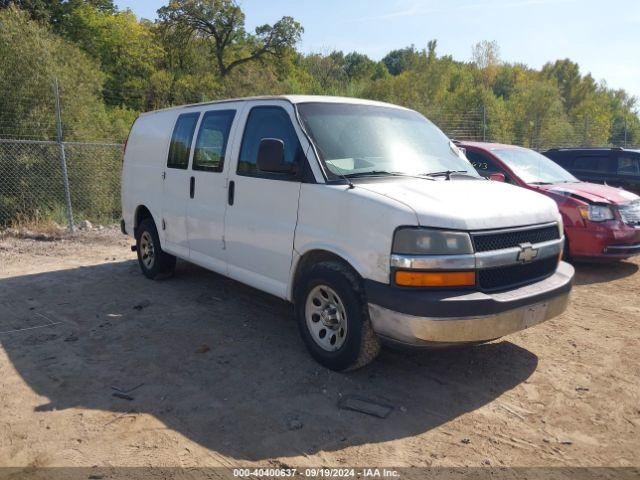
(363, 214)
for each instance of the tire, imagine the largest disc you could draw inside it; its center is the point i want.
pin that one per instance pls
(154, 263)
(329, 297)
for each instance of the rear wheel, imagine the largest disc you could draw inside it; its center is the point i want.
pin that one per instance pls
(333, 317)
(154, 262)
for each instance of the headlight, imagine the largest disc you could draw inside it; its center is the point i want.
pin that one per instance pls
(596, 213)
(421, 241)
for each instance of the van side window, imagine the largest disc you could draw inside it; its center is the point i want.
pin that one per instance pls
(628, 165)
(267, 122)
(180, 147)
(211, 143)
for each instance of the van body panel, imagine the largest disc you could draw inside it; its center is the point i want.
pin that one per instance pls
(260, 225)
(206, 210)
(144, 162)
(355, 224)
(468, 205)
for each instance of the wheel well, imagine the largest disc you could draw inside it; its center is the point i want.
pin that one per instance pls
(142, 213)
(314, 257)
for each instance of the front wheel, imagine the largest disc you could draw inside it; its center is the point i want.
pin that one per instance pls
(333, 318)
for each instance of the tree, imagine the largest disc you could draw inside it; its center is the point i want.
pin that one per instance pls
(55, 11)
(431, 49)
(397, 61)
(539, 120)
(358, 66)
(573, 87)
(222, 23)
(127, 50)
(486, 56)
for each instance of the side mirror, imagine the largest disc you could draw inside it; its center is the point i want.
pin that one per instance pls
(497, 177)
(271, 157)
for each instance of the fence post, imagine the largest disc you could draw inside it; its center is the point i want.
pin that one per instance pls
(585, 132)
(63, 158)
(484, 123)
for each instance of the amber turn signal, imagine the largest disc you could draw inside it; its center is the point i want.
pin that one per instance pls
(435, 279)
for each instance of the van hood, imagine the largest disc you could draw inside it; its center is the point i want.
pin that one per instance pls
(467, 204)
(591, 192)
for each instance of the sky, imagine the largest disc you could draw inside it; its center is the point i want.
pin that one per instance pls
(602, 36)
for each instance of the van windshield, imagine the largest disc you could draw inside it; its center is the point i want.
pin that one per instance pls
(363, 140)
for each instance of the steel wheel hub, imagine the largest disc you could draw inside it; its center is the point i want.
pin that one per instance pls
(147, 250)
(326, 318)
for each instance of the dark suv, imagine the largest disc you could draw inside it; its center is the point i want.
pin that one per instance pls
(614, 166)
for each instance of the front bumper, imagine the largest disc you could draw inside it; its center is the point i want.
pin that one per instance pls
(432, 318)
(607, 241)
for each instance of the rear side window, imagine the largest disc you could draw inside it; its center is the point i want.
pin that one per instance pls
(592, 163)
(180, 147)
(628, 165)
(267, 122)
(211, 144)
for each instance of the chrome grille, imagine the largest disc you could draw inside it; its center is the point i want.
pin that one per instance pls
(630, 213)
(497, 240)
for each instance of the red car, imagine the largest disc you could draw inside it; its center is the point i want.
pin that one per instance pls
(600, 222)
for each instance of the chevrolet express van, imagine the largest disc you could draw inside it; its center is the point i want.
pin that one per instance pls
(362, 214)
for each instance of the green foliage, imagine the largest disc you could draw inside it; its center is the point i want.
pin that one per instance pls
(31, 57)
(127, 51)
(55, 12)
(397, 61)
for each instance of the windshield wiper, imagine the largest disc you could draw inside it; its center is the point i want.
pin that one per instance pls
(541, 183)
(380, 173)
(446, 173)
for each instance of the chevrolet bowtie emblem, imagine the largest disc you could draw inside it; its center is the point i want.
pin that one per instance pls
(527, 253)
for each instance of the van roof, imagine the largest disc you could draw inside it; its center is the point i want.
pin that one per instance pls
(289, 98)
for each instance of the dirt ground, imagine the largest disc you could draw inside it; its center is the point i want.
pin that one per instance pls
(223, 379)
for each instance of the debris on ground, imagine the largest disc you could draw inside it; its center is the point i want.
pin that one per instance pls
(365, 405)
(141, 305)
(124, 396)
(203, 349)
(85, 225)
(128, 390)
(295, 425)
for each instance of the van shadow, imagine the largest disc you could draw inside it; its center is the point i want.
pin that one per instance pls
(223, 364)
(593, 273)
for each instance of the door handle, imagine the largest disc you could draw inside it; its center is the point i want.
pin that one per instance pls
(232, 191)
(192, 187)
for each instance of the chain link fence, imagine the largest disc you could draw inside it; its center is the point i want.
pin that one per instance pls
(43, 178)
(33, 187)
